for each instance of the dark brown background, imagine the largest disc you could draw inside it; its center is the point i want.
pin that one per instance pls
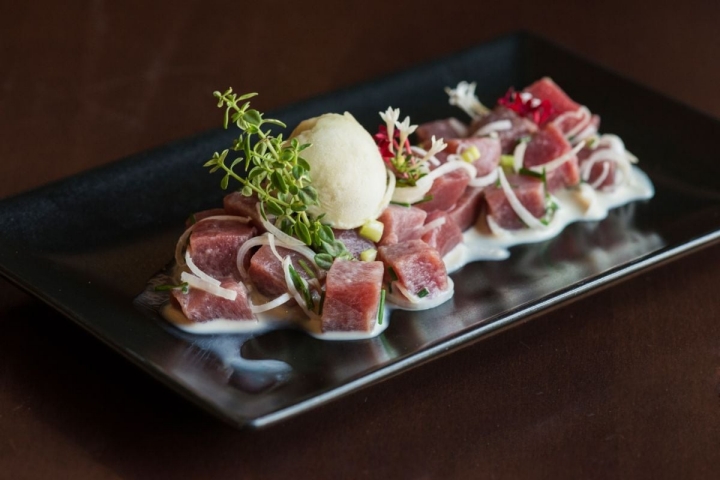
(625, 383)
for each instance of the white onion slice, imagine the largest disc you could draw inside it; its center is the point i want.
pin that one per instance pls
(430, 226)
(285, 297)
(201, 284)
(488, 179)
(409, 301)
(293, 291)
(603, 175)
(586, 133)
(497, 126)
(519, 155)
(282, 236)
(527, 217)
(197, 272)
(582, 114)
(496, 229)
(186, 234)
(271, 243)
(556, 163)
(615, 152)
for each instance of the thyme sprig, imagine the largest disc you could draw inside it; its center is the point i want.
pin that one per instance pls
(276, 173)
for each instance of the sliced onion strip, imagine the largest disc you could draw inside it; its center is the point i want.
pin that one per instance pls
(556, 163)
(285, 297)
(582, 114)
(182, 241)
(389, 192)
(282, 236)
(519, 155)
(497, 126)
(527, 217)
(293, 291)
(603, 175)
(413, 302)
(201, 284)
(197, 272)
(488, 179)
(430, 226)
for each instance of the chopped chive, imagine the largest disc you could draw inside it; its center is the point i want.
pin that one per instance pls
(300, 285)
(381, 307)
(426, 198)
(401, 204)
(306, 267)
(392, 274)
(165, 288)
(531, 173)
(423, 293)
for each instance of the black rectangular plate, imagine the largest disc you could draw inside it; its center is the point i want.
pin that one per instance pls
(88, 245)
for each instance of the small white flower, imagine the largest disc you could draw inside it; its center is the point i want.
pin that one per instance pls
(463, 96)
(390, 117)
(437, 146)
(405, 130)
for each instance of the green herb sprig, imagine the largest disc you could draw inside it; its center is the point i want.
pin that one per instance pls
(276, 173)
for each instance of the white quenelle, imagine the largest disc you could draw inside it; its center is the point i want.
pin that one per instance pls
(346, 169)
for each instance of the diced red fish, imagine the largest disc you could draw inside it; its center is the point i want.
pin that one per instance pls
(196, 217)
(416, 265)
(266, 271)
(598, 168)
(238, 204)
(529, 191)
(547, 145)
(214, 245)
(467, 208)
(201, 306)
(489, 149)
(352, 296)
(520, 127)
(446, 190)
(445, 128)
(353, 241)
(547, 89)
(444, 237)
(401, 224)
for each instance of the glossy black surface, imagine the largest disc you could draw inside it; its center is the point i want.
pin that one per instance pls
(88, 245)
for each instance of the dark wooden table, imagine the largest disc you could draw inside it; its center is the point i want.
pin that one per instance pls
(622, 384)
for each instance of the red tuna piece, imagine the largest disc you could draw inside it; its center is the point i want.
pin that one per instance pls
(266, 271)
(547, 145)
(547, 89)
(489, 149)
(238, 204)
(597, 178)
(529, 190)
(446, 190)
(444, 237)
(352, 296)
(416, 265)
(520, 127)
(214, 245)
(467, 209)
(201, 306)
(196, 217)
(446, 128)
(353, 241)
(401, 224)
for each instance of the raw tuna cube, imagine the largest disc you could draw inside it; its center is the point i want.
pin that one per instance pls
(521, 127)
(445, 237)
(352, 296)
(596, 171)
(547, 145)
(238, 204)
(401, 224)
(529, 190)
(546, 89)
(489, 149)
(467, 209)
(446, 190)
(266, 270)
(447, 128)
(196, 217)
(214, 245)
(201, 306)
(416, 265)
(353, 241)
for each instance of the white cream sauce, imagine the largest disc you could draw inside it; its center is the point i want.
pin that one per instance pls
(582, 204)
